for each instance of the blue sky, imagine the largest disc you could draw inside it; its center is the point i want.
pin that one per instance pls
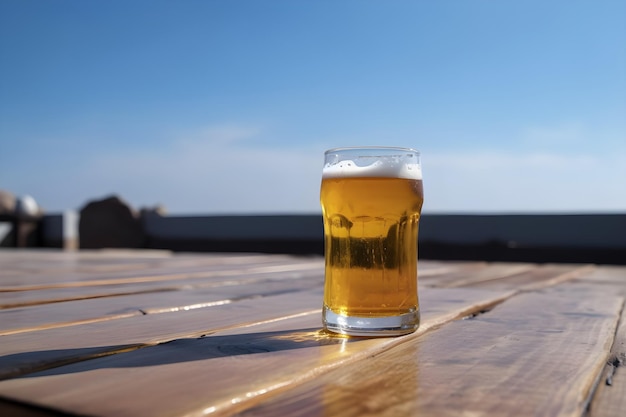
(219, 106)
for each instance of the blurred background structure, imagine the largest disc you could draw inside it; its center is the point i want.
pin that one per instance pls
(112, 223)
(216, 108)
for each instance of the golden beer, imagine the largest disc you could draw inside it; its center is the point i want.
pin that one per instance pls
(371, 214)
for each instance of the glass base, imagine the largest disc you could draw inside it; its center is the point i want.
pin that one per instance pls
(370, 326)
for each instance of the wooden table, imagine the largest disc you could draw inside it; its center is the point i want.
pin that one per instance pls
(150, 333)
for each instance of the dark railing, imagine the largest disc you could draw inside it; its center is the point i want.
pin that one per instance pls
(575, 238)
(581, 238)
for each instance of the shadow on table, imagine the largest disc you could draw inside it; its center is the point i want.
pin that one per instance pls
(67, 361)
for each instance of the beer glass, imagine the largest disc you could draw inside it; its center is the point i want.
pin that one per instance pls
(371, 201)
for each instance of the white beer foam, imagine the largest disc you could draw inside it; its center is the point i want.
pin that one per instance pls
(384, 167)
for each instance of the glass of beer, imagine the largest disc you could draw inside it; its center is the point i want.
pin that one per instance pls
(371, 203)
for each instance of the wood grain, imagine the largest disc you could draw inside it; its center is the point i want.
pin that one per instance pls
(535, 354)
(478, 273)
(224, 369)
(167, 273)
(610, 397)
(19, 320)
(17, 299)
(541, 276)
(27, 352)
(152, 333)
(612, 277)
(84, 279)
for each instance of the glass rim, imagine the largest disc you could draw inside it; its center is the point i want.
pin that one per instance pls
(371, 148)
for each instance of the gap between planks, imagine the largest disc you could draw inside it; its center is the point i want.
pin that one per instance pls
(609, 397)
(450, 307)
(504, 366)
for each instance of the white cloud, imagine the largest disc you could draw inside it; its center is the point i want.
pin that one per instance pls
(219, 135)
(216, 170)
(522, 182)
(212, 171)
(561, 135)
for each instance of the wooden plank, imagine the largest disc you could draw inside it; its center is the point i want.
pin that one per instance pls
(225, 370)
(34, 296)
(535, 354)
(610, 397)
(75, 279)
(210, 291)
(610, 276)
(24, 257)
(45, 262)
(25, 319)
(542, 276)
(83, 341)
(44, 274)
(474, 273)
(37, 261)
(15, 299)
(13, 409)
(24, 352)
